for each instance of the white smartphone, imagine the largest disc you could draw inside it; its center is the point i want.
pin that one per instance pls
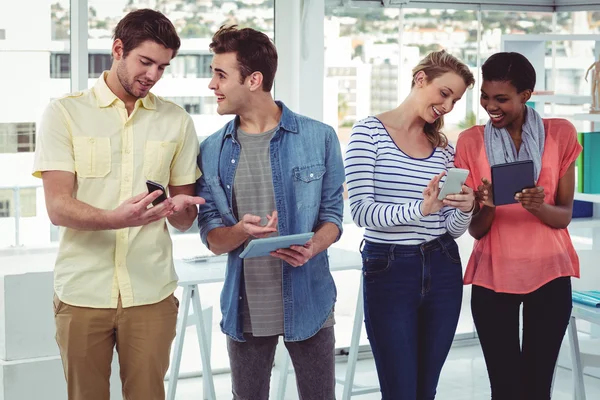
(455, 179)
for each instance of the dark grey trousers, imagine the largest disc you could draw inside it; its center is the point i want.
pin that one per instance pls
(313, 359)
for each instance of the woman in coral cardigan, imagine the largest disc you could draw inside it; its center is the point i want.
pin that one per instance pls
(523, 255)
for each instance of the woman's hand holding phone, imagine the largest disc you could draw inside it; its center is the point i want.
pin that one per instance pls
(464, 201)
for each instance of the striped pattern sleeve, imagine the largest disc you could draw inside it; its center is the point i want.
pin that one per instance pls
(456, 221)
(361, 156)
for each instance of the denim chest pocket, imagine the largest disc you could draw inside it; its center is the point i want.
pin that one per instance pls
(308, 182)
(92, 156)
(158, 156)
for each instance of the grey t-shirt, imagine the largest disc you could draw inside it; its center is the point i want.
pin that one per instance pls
(253, 194)
(253, 191)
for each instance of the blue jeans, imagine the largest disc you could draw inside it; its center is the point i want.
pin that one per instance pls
(412, 298)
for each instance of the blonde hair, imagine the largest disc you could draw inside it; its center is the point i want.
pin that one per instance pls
(434, 65)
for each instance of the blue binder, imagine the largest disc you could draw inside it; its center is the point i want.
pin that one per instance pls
(589, 298)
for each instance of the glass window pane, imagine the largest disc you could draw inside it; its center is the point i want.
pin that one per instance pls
(34, 69)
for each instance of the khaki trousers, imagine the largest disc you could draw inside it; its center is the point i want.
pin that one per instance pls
(143, 335)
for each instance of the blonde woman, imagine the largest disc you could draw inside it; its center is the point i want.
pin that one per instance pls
(395, 163)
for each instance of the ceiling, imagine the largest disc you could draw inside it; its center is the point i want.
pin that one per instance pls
(512, 5)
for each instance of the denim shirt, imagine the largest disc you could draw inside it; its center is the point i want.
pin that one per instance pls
(308, 178)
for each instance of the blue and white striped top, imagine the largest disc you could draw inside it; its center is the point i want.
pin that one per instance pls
(385, 187)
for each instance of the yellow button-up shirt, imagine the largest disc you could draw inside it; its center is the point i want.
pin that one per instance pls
(112, 155)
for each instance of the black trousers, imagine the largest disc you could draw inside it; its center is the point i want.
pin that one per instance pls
(522, 371)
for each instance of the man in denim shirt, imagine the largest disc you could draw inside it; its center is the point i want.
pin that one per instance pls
(270, 172)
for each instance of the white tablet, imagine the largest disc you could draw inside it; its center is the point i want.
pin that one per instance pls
(263, 247)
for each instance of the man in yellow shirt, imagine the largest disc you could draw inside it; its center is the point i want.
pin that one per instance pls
(114, 274)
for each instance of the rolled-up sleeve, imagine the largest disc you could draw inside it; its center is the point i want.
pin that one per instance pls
(209, 217)
(332, 195)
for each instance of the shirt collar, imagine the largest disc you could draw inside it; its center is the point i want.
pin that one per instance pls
(105, 97)
(287, 121)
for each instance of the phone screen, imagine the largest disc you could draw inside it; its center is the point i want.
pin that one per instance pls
(454, 181)
(152, 187)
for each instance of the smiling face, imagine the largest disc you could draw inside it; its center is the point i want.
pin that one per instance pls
(438, 96)
(226, 83)
(143, 66)
(503, 103)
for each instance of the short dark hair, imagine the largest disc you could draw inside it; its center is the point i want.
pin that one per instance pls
(146, 24)
(254, 51)
(510, 67)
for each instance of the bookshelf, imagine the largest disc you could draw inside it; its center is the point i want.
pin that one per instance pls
(534, 48)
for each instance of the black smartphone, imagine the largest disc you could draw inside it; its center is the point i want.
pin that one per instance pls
(153, 186)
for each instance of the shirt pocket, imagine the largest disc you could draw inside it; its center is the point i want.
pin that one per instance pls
(308, 182)
(92, 156)
(158, 156)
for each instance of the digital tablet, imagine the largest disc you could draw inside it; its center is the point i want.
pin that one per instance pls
(509, 179)
(263, 247)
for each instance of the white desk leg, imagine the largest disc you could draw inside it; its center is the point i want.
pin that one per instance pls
(578, 387)
(354, 343)
(207, 315)
(282, 364)
(179, 337)
(203, 342)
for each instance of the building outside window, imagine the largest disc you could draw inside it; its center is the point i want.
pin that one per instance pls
(17, 137)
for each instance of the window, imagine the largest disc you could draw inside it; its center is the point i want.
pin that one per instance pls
(193, 105)
(5, 208)
(17, 137)
(60, 66)
(97, 63)
(190, 65)
(36, 59)
(27, 202)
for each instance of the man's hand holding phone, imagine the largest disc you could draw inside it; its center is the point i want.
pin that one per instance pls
(181, 202)
(136, 212)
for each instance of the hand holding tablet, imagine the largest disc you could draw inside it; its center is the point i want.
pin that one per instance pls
(264, 247)
(510, 179)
